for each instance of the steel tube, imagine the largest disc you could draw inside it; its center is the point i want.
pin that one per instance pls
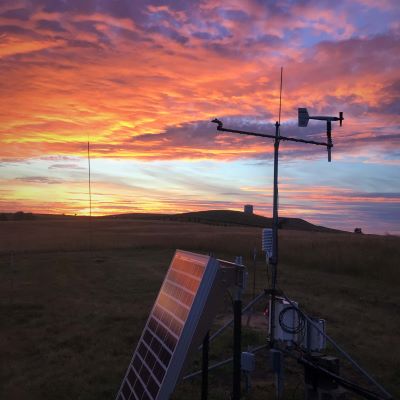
(237, 349)
(289, 139)
(229, 323)
(275, 226)
(204, 368)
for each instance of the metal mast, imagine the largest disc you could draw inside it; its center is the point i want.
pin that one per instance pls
(277, 139)
(275, 215)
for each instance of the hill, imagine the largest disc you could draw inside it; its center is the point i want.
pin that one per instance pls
(228, 217)
(213, 217)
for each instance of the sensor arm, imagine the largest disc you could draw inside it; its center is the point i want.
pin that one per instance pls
(221, 128)
(324, 118)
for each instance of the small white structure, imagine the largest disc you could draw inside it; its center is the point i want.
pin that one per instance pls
(248, 209)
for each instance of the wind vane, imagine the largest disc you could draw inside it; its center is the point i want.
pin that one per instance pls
(303, 122)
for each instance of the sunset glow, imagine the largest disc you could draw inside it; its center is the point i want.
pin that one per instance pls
(142, 81)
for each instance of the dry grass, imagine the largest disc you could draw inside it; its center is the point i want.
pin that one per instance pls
(38, 236)
(71, 317)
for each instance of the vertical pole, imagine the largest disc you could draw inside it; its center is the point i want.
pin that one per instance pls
(90, 196)
(277, 368)
(274, 258)
(254, 271)
(12, 278)
(237, 348)
(204, 368)
(249, 315)
(329, 135)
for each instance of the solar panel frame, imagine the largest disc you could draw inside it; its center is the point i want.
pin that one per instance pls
(143, 381)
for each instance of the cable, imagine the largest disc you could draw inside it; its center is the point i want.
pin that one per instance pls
(339, 349)
(292, 329)
(366, 393)
(354, 387)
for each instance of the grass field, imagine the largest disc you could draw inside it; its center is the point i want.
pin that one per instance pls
(70, 318)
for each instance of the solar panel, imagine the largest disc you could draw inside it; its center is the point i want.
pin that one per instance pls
(177, 323)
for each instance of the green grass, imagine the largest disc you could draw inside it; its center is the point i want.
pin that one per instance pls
(70, 318)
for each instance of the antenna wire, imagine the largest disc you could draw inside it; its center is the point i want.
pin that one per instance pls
(280, 98)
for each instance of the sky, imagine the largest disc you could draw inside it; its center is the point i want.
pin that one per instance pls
(141, 81)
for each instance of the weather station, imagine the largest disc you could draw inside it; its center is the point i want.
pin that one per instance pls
(290, 328)
(180, 321)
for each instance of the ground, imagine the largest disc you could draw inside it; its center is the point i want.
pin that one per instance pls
(74, 298)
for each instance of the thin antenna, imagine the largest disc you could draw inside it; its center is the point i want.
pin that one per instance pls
(89, 182)
(280, 98)
(90, 195)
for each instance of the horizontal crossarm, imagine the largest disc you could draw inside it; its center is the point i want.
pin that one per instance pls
(289, 139)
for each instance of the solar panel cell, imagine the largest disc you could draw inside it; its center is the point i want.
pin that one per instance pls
(142, 350)
(144, 374)
(150, 359)
(148, 337)
(175, 326)
(131, 377)
(138, 389)
(156, 346)
(137, 363)
(152, 387)
(159, 371)
(146, 396)
(126, 390)
(164, 356)
(152, 324)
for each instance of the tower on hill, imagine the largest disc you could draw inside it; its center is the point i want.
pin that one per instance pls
(248, 209)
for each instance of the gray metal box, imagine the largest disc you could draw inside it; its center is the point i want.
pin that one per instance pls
(286, 320)
(312, 339)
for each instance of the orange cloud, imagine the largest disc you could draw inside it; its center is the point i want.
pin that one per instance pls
(99, 75)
